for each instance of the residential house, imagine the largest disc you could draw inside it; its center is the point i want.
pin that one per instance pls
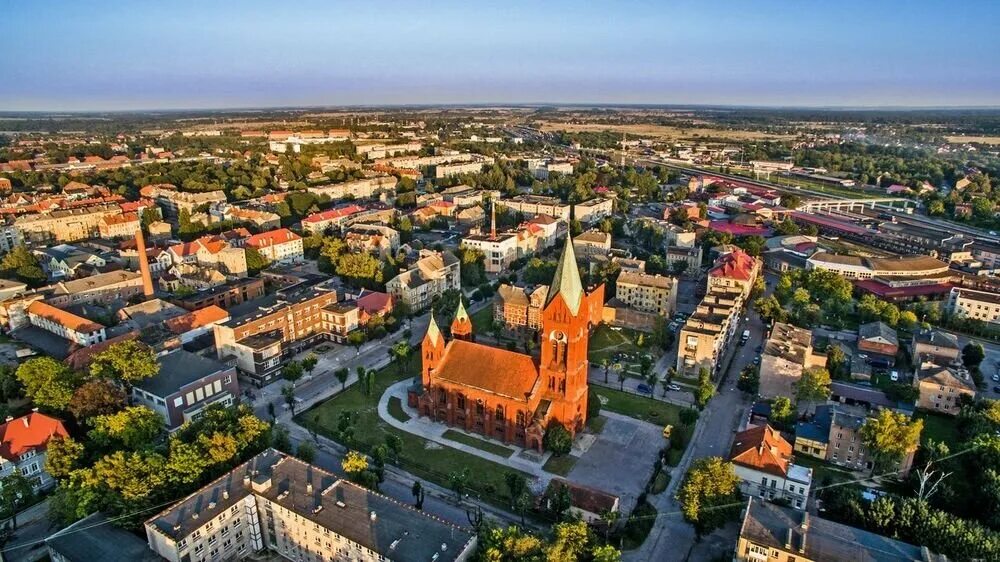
(762, 459)
(185, 385)
(592, 243)
(119, 226)
(23, 445)
(433, 274)
(787, 353)
(942, 387)
(879, 339)
(588, 504)
(280, 246)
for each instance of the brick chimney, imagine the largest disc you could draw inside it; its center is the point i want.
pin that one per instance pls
(147, 279)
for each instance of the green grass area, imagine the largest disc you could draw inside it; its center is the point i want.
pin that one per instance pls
(482, 320)
(606, 343)
(674, 457)
(426, 460)
(660, 483)
(639, 407)
(478, 443)
(596, 425)
(560, 465)
(638, 526)
(939, 427)
(824, 473)
(396, 410)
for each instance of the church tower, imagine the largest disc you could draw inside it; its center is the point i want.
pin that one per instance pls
(564, 337)
(431, 350)
(461, 326)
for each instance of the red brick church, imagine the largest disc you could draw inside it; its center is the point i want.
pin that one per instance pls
(511, 396)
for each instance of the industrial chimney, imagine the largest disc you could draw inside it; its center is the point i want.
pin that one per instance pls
(147, 279)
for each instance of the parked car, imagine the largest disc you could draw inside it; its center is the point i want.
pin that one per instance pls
(673, 387)
(644, 389)
(894, 376)
(996, 377)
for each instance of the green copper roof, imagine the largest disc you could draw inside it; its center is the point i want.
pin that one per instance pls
(460, 313)
(566, 281)
(432, 330)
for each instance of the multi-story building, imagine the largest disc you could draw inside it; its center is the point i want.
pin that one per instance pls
(262, 220)
(372, 238)
(690, 256)
(592, 243)
(457, 168)
(211, 252)
(318, 223)
(119, 226)
(654, 294)
(23, 444)
(185, 385)
(65, 324)
(942, 387)
(280, 246)
(735, 269)
(787, 352)
(172, 202)
(771, 533)
(104, 288)
(705, 334)
(10, 238)
(299, 511)
(762, 459)
(834, 435)
(433, 274)
(977, 305)
(261, 333)
(519, 307)
(368, 188)
(233, 293)
(500, 249)
(856, 267)
(340, 319)
(65, 225)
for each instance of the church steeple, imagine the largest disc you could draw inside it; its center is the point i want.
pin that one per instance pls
(461, 326)
(432, 349)
(566, 281)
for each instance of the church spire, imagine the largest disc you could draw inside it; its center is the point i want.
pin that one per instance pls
(461, 326)
(566, 281)
(433, 333)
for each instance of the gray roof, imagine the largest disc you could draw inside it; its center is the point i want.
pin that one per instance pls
(178, 369)
(818, 428)
(878, 330)
(95, 538)
(379, 523)
(767, 524)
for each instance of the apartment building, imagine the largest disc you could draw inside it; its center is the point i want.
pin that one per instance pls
(707, 331)
(690, 256)
(592, 243)
(65, 225)
(735, 269)
(457, 168)
(119, 226)
(762, 459)
(10, 238)
(834, 435)
(942, 387)
(340, 319)
(262, 220)
(260, 333)
(233, 293)
(367, 188)
(542, 170)
(280, 246)
(433, 274)
(318, 223)
(185, 385)
(519, 308)
(65, 324)
(653, 294)
(23, 444)
(787, 352)
(280, 504)
(977, 305)
(378, 151)
(500, 249)
(771, 533)
(464, 196)
(172, 202)
(372, 238)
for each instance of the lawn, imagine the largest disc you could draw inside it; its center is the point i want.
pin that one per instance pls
(639, 407)
(424, 459)
(605, 343)
(943, 429)
(481, 444)
(560, 465)
(482, 320)
(824, 473)
(396, 410)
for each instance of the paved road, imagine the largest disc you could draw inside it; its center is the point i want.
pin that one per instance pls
(28, 542)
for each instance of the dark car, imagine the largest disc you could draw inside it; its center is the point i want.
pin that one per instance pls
(644, 389)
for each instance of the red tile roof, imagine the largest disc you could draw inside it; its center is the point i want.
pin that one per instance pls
(196, 319)
(272, 238)
(334, 213)
(65, 319)
(762, 448)
(80, 359)
(734, 265)
(28, 433)
(374, 302)
(490, 369)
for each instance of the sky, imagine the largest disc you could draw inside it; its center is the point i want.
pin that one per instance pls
(104, 55)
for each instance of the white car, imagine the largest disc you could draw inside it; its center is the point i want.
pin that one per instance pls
(996, 378)
(894, 376)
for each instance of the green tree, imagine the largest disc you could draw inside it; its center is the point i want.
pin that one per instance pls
(783, 413)
(309, 362)
(127, 361)
(292, 371)
(288, 393)
(49, 383)
(22, 265)
(705, 390)
(306, 452)
(973, 354)
(517, 484)
(710, 495)
(62, 456)
(356, 339)
(96, 398)
(557, 439)
(342, 374)
(134, 427)
(836, 362)
(255, 261)
(814, 386)
(891, 436)
(15, 493)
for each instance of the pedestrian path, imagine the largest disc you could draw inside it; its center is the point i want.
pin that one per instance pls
(530, 462)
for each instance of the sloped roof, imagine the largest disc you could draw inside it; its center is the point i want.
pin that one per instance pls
(736, 264)
(272, 238)
(374, 301)
(489, 369)
(30, 432)
(196, 319)
(762, 448)
(877, 329)
(566, 282)
(65, 319)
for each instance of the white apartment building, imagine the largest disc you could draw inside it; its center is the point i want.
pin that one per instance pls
(977, 305)
(65, 324)
(433, 274)
(280, 246)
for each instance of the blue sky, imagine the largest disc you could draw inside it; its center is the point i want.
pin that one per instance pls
(100, 55)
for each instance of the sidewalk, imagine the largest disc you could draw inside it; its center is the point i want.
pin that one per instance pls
(433, 431)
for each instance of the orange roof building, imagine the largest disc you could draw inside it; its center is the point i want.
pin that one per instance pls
(734, 269)
(23, 442)
(762, 459)
(65, 324)
(510, 396)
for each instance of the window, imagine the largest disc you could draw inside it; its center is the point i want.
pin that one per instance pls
(178, 402)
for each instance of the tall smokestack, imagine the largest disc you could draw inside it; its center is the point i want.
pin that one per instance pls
(147, 279)
(493, 220)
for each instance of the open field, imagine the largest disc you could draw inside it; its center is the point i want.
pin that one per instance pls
(958, 139)
(666, 132)
(639, 407)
